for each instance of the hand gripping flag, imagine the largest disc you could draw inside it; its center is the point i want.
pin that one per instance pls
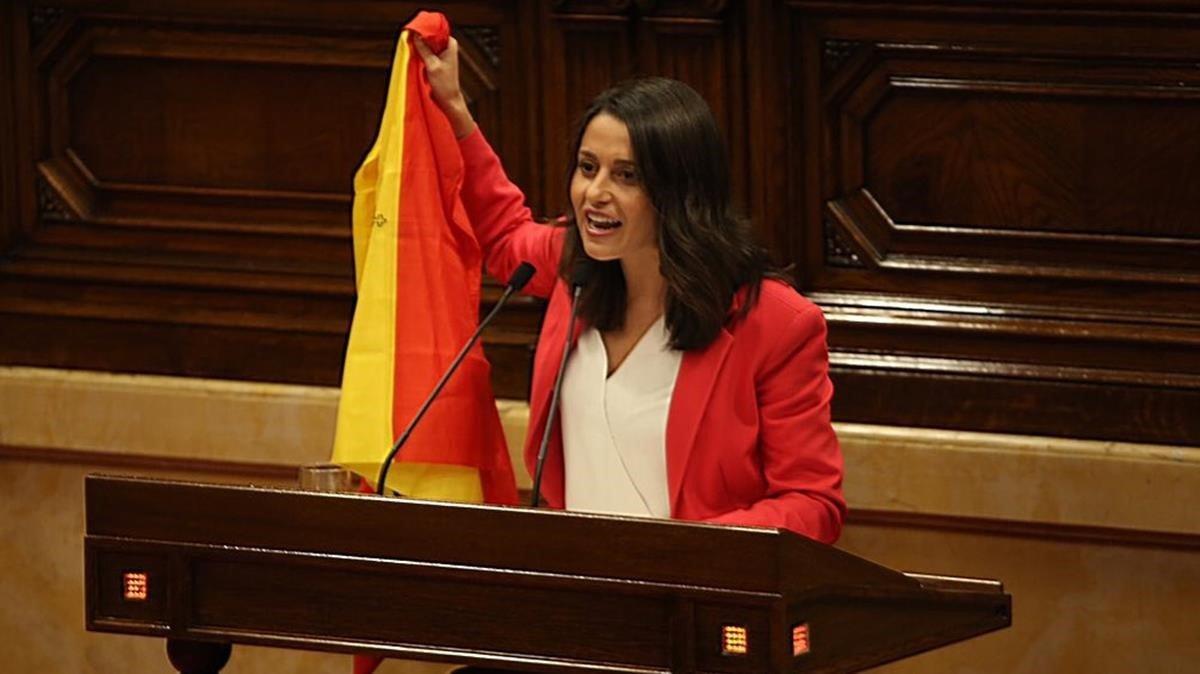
(418, 269)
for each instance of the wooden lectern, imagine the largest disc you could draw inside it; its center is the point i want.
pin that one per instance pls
(207, 566)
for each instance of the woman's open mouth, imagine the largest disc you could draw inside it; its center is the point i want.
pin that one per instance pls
(599, 225)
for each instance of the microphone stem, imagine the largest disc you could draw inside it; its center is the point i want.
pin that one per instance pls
(387, 462)
(541, 457)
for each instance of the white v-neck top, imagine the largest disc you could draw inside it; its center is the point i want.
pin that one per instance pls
(614, 428)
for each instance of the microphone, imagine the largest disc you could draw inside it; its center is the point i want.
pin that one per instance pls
(579, 278)
(516, 282)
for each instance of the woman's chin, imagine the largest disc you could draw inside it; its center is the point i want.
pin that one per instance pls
(598, 251)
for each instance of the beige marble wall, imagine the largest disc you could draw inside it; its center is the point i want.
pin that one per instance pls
(1078, 607)
(41, 589)
(1025, 510)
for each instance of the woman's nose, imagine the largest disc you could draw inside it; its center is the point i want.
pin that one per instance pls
(597, 190)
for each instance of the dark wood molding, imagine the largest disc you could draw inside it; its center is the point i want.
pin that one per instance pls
(838, 253)
(9, 164)
(880, 391)
(593, 7)
(487, 39)
(954, 156)
(139, 463)
(42, 19)
(835, 53)
(51, 205)
(698, 9)
(1066, 533)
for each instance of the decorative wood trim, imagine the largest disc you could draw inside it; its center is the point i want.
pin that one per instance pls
(51, 205)
(487, 39)
(584, 7)
(994, 251)
(42, 20)
(935, 365)
(140, 462)
(1024, 10)
(956, 312)
(980, 526)
(867, 392)
(10, 166)
(835, 53)
(839, 253)
(709, 9)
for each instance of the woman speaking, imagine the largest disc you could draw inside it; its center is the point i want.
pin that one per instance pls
(697, 387)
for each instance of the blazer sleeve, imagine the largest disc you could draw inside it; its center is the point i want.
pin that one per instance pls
(506, 230)
(801, 458)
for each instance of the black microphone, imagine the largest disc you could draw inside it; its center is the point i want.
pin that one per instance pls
(516, 282)
(579, 279)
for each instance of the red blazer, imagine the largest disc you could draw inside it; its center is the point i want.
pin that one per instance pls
(749, 439)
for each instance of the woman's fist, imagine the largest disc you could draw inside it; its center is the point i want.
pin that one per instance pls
(442, 71)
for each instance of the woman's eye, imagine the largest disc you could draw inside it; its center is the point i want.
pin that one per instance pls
(587, 168)
(628, 176)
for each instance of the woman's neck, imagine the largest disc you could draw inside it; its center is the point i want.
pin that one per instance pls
(645, 286)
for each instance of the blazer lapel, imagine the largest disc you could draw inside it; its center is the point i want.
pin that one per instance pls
(693, 387)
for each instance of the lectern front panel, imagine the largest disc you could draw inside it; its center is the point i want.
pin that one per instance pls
(441, 608)
(503, 587)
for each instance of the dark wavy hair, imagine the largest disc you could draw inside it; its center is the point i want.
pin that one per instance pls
(706, 253)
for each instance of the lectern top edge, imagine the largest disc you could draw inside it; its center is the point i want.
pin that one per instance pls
(670, 551)
(101, 479)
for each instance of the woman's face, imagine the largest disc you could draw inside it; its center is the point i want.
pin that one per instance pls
(612, 210)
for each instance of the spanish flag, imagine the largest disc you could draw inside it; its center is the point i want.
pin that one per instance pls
(418, 269)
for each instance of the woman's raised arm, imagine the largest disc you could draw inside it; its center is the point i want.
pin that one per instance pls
(505, 228)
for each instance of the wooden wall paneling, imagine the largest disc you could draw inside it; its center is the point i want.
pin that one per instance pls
(991, 202)
(370, 16)
(590, 46)
(1109, 199)
(1003, 204)
(8, 129)
(766, 88)
(140, 114)
(480, 51)
(515, 49)
(153, 182)
(195, 164)
(496, 60)
(701, 44)
(899, 390)
(17, 200)
(294, 355)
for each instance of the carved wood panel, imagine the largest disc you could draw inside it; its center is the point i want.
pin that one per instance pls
(593, 45)
(992, 202)
(194, 168)
(1006, 211)
(585, 54)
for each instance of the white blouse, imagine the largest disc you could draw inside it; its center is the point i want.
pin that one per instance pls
(614, 428)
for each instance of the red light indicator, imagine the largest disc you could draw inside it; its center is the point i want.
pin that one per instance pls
(137, 586)
(800, 644)
(734, 640)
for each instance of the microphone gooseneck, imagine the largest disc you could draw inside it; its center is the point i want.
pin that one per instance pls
(579, 278)
(516, 282)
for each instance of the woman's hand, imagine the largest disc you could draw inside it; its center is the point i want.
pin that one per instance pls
(442, 70)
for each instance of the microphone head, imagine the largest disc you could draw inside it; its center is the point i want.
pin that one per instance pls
(521, 276)
(582, 272)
